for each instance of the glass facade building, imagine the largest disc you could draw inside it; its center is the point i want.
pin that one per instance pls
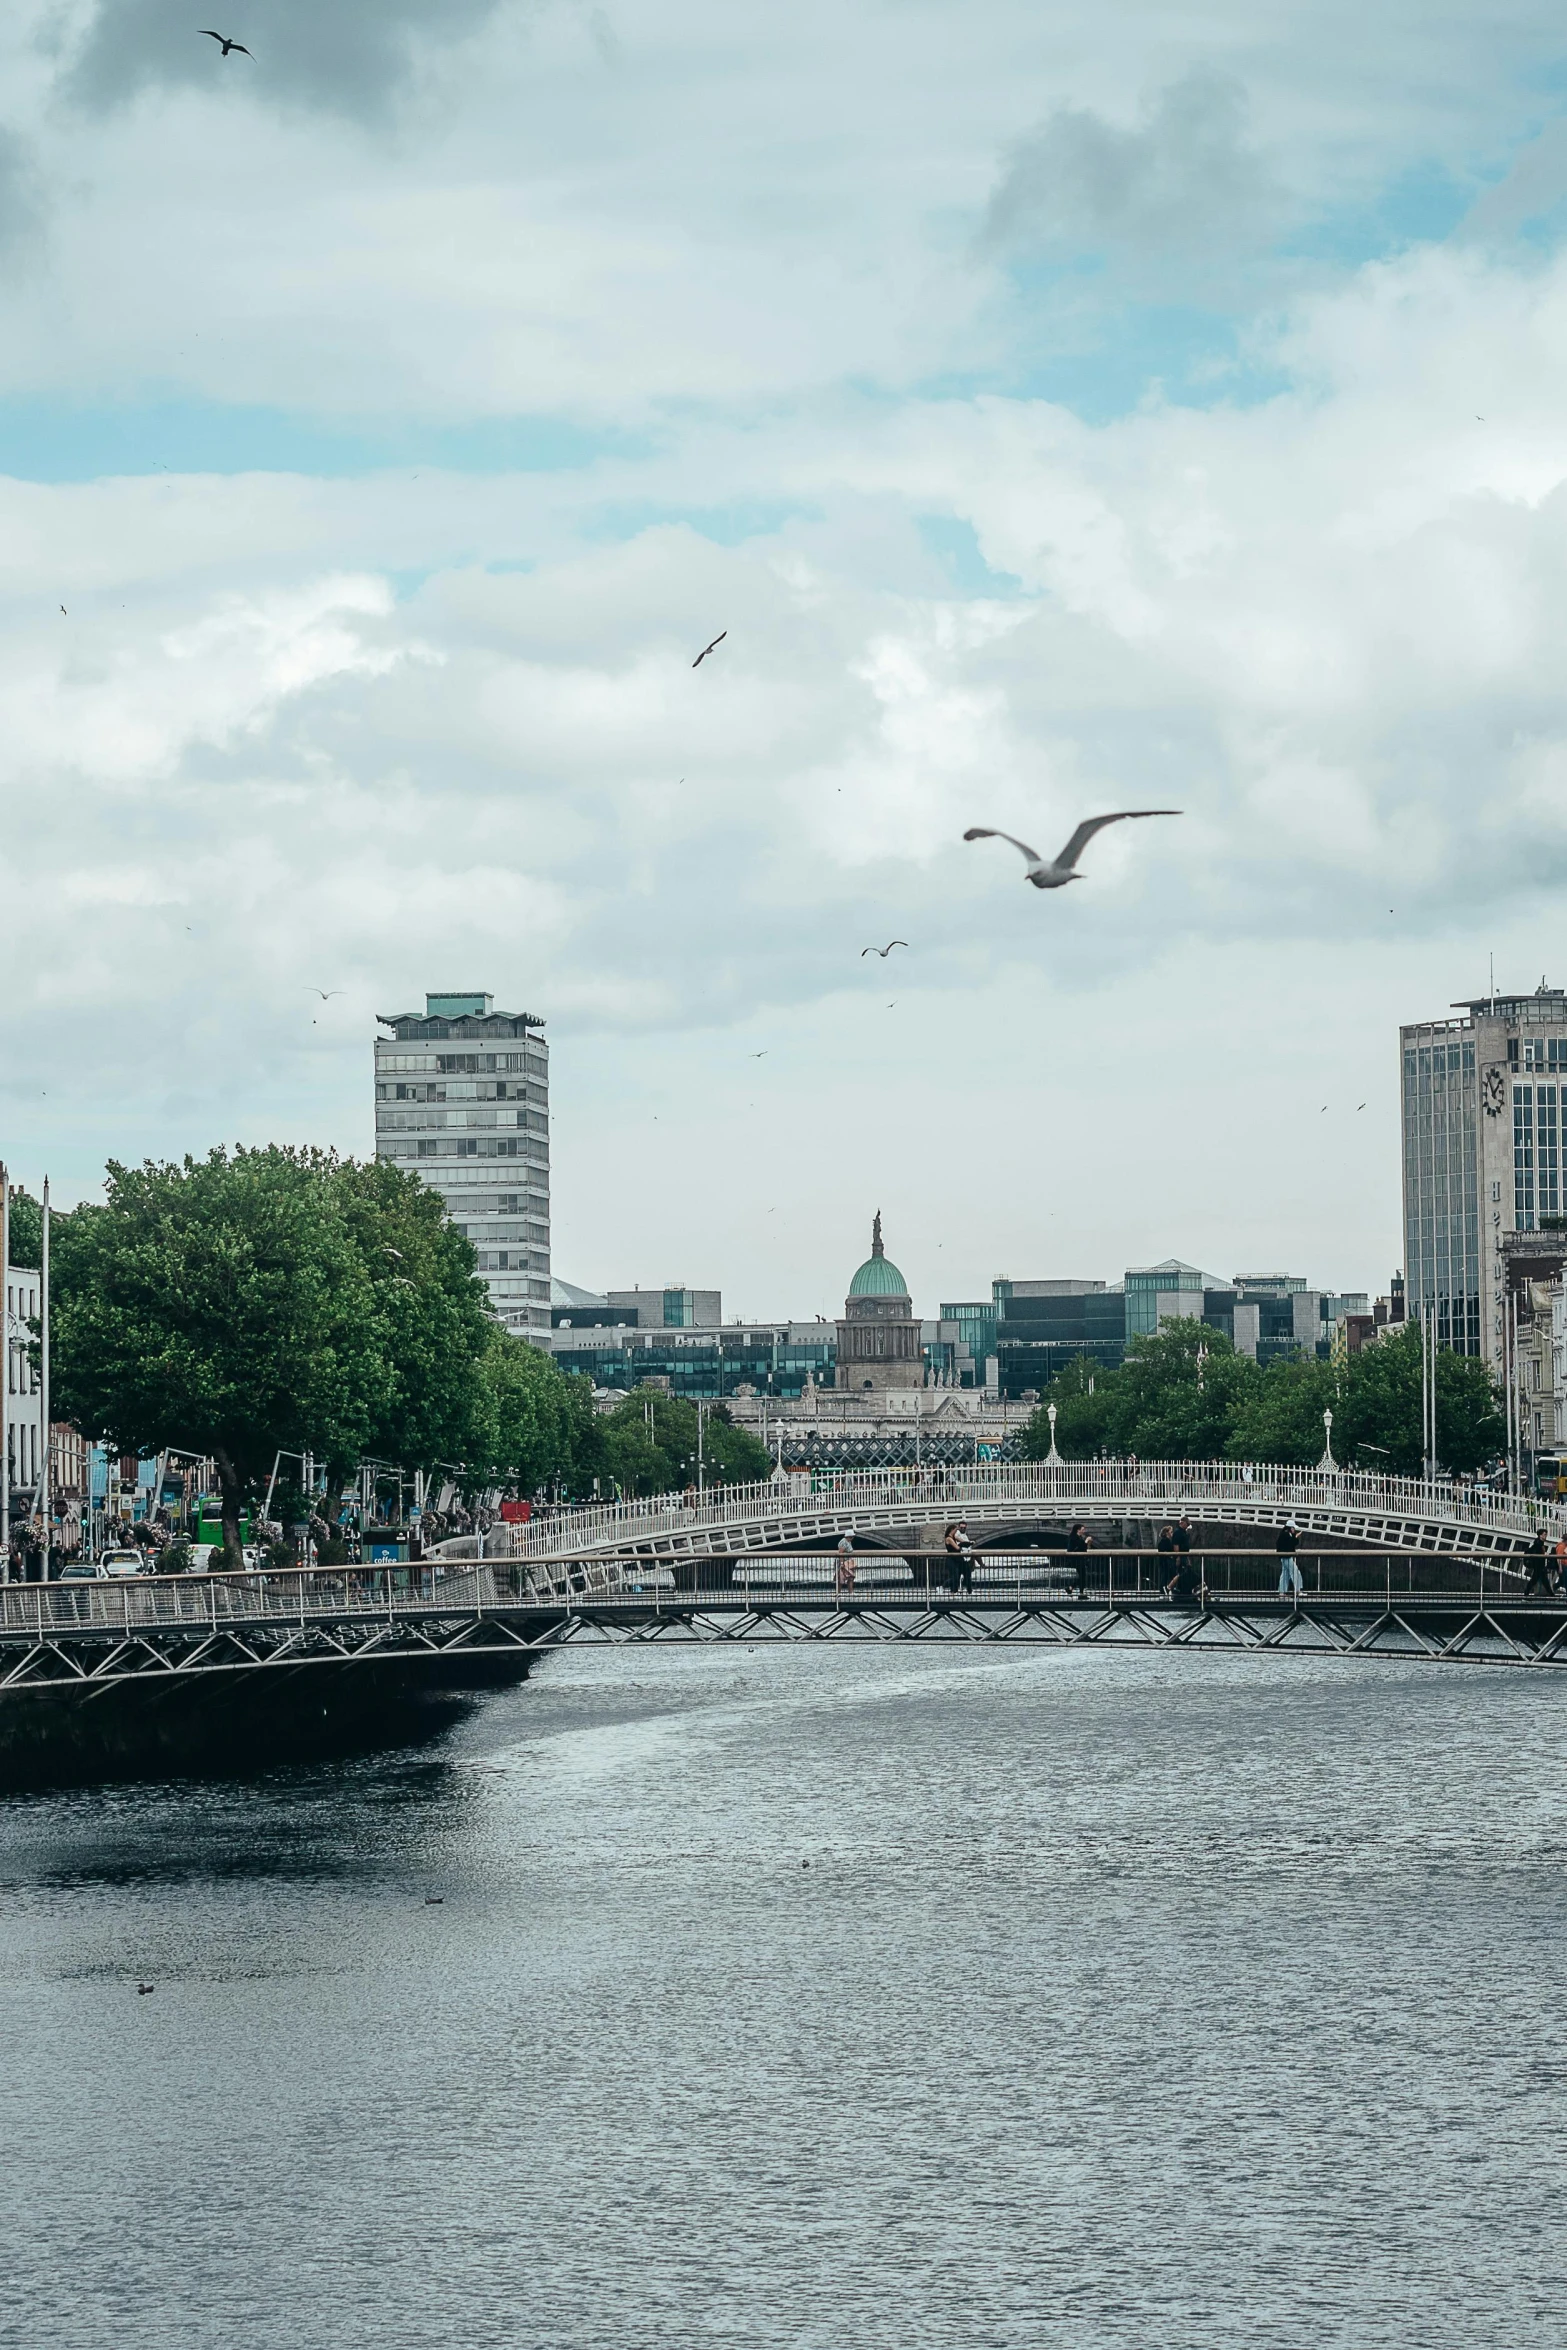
(462, 1098)
(1482, 1109)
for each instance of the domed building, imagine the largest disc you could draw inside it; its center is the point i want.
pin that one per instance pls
(878, 1338)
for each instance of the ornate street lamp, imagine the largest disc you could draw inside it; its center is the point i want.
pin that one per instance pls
(1327, 1461)
(1052, 1457)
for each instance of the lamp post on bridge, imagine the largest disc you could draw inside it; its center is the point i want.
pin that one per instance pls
(1052, 1457)
(1327, 1461)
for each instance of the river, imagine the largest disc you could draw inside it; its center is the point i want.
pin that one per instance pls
(823, 1997)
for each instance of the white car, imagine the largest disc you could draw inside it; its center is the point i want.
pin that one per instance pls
(121, 1562)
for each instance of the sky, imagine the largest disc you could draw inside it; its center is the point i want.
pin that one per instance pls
(1060, 409)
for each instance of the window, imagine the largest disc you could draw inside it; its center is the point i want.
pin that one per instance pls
(1536, 1154)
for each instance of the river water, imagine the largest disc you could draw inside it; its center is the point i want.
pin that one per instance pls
(1160, 2001)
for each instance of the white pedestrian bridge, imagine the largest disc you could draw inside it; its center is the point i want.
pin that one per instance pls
(815, 1509)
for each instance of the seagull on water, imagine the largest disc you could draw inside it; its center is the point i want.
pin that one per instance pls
(712, 648)
(885, 951)
(223, 41)
(1056, 872)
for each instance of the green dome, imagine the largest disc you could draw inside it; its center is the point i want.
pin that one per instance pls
(878, 1277)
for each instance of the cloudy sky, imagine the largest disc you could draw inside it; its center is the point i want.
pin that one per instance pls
(1061, 409)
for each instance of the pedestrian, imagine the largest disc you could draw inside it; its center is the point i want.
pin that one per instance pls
(952, 1542)
(1290, 1577)
(845, 1575)
(1166, 1548)
(1559, 1565)
(1183, 1557)
(1079, 1543)
(965, 1558)
(1539, 1556)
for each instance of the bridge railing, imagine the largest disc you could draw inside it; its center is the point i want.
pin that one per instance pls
(1087, 1484)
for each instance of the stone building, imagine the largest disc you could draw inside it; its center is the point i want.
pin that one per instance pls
(879, 1340)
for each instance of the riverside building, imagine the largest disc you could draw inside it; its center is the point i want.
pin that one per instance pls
(462, 1098)
(1483, 1096)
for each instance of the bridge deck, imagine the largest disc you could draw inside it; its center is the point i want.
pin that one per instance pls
(85, 1636)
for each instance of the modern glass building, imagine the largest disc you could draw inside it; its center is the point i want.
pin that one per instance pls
(1482, 1117)
(462, 1097)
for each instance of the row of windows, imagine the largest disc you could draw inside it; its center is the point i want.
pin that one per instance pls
(535, 1062)
(478, 1090)
(1429, 1059)
(1537, 1187)
(1539, 1052)
(423, 1121)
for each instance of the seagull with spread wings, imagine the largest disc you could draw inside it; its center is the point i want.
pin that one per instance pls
(885, 951)
(223, 41)
(712, 648)
(1056, 872)
(325, 993)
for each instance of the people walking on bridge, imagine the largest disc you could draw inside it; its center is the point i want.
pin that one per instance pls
(952, 1543)
(1290, 1577)
(1559, 1563)
(1079, 1543)
(845, 1573)
(965, 1557)
(1168, 1568)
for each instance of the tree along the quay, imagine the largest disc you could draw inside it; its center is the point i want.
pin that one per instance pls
(223, 1305)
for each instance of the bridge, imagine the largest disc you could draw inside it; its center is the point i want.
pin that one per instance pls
(85, 1639)
(998, 1500)
(110, 1675)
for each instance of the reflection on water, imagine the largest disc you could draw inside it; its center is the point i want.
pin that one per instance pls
(1126, 2000)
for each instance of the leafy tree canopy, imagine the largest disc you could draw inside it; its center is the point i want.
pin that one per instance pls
(533, 1421)
(27, 1228)
(221, 1304)
(664, 1458)
(1183, 1394)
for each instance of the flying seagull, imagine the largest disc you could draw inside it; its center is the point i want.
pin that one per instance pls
(325, 993)
(1057, 874)
(224, 43)
(713, 647)
(885, 951)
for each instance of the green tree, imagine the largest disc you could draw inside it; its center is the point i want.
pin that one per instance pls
(533, 1421)
(1378, 1423)
(433, 1323)
(1177, 1393)
(1082, 1395)
(221, 1304)
(1280, 1414)
(27, 1228)
(662, 1458)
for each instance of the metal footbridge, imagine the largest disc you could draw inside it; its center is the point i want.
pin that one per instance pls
(815, 1508)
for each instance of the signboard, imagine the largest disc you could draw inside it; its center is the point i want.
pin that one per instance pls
(516, 1513)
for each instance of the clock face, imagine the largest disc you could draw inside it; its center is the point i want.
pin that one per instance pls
(1494, 1092)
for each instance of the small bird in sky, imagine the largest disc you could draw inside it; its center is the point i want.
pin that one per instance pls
(885, 951)
(1360, 1105)
(1055, 873)
(712, 648)
(67, 615)
(325, 993)
(224, 43)
(761, 1056)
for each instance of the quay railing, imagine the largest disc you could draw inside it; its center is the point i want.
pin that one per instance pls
(195, 1603)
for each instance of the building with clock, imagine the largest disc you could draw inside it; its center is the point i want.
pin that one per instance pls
(1483, 1096)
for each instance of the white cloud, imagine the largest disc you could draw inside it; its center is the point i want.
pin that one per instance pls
(421, 726)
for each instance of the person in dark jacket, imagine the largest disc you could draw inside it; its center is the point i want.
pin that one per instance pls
(1079, 1543)
(1167, 1556)
(1290, 1577)
(1184, 1577)
(1539, 1577)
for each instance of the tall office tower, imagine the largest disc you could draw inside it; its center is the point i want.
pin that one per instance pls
(462, 1095)
(1482, 1102)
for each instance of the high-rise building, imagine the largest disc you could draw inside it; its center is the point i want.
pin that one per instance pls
(462, 1096)
(1482, 1103)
